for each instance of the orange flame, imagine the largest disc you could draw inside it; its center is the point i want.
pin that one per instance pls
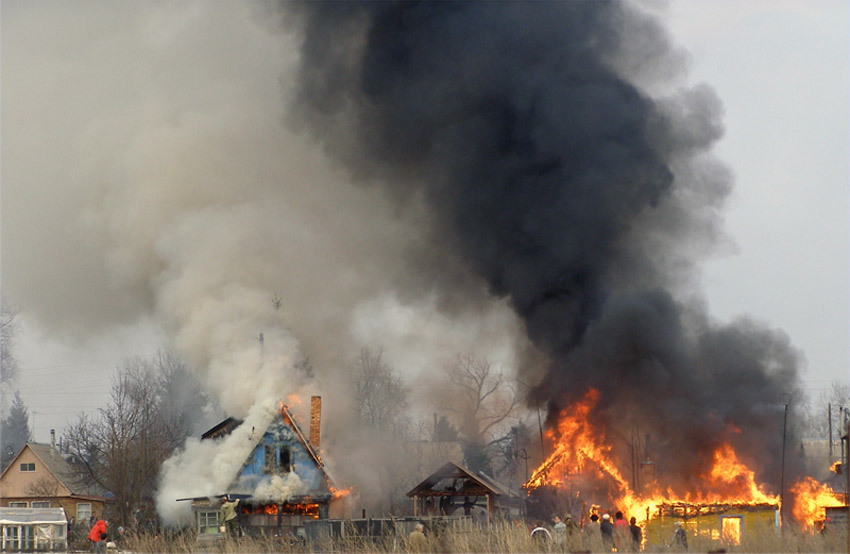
(736, 481)
(810, 499)
(294, 399)
(730, 530)
(578, 447)
(341, 493)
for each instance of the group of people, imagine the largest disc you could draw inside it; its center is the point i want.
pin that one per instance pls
(597, 533)
(602, 534)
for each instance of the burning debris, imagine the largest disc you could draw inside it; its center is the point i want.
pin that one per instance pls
(811, 498)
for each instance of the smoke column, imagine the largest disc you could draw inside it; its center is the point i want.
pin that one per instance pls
(560, 166)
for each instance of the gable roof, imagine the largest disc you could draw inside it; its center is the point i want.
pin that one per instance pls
(457, 480)
(73, 478)
(285, 416)
(289, 420)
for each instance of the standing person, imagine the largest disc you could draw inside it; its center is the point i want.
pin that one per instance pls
(606, 529)
(559, 529)
(619, 521)
(591, 537)
(680, 538)
(573, 541)
(621, 532)
(228, 517)
(637, 534)
(97, 536)
(416, 540)
(541, 536)
(467, 506)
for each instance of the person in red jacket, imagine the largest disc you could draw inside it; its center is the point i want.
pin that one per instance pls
(97, 536)
(621, 532)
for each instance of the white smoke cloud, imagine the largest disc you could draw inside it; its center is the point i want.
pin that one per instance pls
(206, 468)
(152, 171)
(280, 488)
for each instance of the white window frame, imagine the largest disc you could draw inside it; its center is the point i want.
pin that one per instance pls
(209, 522)
(41, 504)
(27, 466)
(85, 505)
(19, 504)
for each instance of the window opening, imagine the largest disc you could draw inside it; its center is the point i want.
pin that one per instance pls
(731, 529)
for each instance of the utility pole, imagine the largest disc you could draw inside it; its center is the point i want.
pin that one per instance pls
(540, 426)
(539, 423)
(785, 398)
(829, 413)
(846, 452)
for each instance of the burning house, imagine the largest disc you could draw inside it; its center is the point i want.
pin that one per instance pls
(280, 485)
(724, 501)
(726, 522)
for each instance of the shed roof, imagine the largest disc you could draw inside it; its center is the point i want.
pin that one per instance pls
(32, 516)
(455, 480)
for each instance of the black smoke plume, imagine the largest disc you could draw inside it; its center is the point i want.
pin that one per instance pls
(553, 170)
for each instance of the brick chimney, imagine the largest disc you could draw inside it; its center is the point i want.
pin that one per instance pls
(315, 420)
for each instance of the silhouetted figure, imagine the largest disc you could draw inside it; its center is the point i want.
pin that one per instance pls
(606, 529)
(637, 534)
(680, 539)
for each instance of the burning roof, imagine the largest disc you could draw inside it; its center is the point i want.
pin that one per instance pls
(583, 460)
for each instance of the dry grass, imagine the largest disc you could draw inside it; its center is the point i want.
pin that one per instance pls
(464, 538)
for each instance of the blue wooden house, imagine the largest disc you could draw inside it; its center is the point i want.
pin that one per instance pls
(281, 484)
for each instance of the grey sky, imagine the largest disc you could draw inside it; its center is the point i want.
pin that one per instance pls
(107, 107)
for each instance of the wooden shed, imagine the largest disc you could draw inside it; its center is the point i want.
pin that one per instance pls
(453, 488)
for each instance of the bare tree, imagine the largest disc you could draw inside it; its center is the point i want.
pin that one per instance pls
(183, 403)
(8, 331)
(481, 400)
(815, 415)
(380, 392)
(124, 445)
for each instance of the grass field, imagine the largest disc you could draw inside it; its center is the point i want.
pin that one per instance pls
(500, 537)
